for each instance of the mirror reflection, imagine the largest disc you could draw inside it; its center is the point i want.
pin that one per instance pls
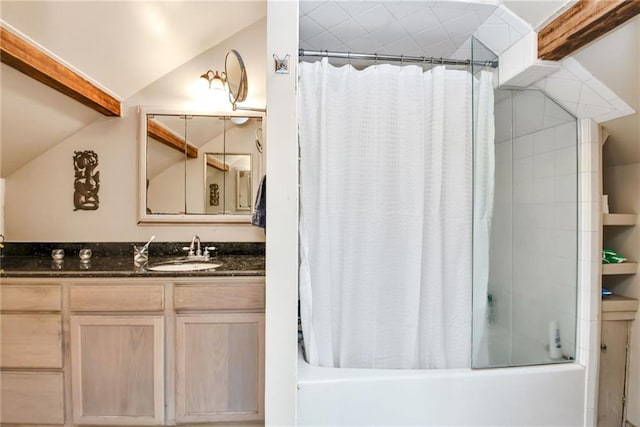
(228, 183)
(200, 167)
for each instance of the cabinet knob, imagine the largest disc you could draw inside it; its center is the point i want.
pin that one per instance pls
(603, 347)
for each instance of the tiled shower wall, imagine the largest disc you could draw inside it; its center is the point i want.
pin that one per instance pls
(533, 258)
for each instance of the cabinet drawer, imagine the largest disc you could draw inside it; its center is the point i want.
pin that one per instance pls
(31, 398)
(219, 297)
(117, 298)
(31, 341)
(30, 298)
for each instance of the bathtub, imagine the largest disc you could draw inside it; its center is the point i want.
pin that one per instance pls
(547, 395)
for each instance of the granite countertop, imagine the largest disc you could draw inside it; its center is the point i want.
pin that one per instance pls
(109, 260)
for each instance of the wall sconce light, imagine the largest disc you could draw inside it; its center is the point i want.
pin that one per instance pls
(215, 79)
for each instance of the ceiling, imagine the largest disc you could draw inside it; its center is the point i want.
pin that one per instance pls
(120, 46)
(125, 46)
(442, 28)
(417, 28)
(414, 28)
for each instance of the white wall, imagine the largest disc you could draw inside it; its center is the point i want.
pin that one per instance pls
(39, 196)
(282, 218)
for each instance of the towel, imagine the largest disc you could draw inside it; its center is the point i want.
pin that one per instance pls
(259, 217)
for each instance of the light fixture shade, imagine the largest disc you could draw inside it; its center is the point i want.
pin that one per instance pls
(215, 79)
(217, 83)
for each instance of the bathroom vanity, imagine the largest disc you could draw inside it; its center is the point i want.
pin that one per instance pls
(132, 348)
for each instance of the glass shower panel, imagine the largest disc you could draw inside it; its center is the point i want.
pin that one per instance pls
(525, 254)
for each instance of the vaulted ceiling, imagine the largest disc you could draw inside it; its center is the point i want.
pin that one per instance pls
(120, 46)
(125, 46)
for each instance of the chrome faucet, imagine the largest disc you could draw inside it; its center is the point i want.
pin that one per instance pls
(197, 252)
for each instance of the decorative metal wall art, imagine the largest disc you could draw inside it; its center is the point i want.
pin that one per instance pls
(214, 195)
(87, 180)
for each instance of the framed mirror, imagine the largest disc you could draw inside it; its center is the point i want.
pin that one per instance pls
(196, 167)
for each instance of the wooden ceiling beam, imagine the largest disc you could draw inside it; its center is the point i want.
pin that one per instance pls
(218, 164)
(161, 134)
(582, 24)
(26, 58)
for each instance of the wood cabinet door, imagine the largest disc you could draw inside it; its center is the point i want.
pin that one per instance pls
(117, 367)
(613, 363)
(31, 398)
(219, 367)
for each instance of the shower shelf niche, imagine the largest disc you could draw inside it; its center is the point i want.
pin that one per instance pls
(620, 219)
(622, 268)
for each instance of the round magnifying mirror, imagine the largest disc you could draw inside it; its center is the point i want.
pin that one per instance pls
(236, 77)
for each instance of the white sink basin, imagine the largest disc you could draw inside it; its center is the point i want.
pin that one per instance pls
(187, 266)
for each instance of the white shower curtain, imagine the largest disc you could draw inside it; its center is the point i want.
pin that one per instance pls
(386, 214)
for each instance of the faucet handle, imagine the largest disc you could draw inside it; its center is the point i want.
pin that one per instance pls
(207, 249)
(187, 248)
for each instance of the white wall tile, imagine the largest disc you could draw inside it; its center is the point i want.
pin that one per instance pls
(565, 189)
(591, 97)
(563, 89)
(309, 28)
(543, 190)
(589, 217)
(347, 31)
(601, 89)
(566, 161)
(589, 186)
(523, 146)
(494, 36)
(323, 41)
(565, 216)
(576, 69)
(543, 140)
(589, 247)
(355, 8)
(307, 6)
(523, 169)
(423, 19)
(565, 135)
(543, 165)
(390, 34)
(363, 43)
(328, 14)
(375, 18)
(592, 111)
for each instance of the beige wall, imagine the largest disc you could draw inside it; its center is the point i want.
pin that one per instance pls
(622, 184)
(619, 64)
(39, 195)
(615, 60)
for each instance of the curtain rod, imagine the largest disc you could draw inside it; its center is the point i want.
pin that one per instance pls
(395, 58)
